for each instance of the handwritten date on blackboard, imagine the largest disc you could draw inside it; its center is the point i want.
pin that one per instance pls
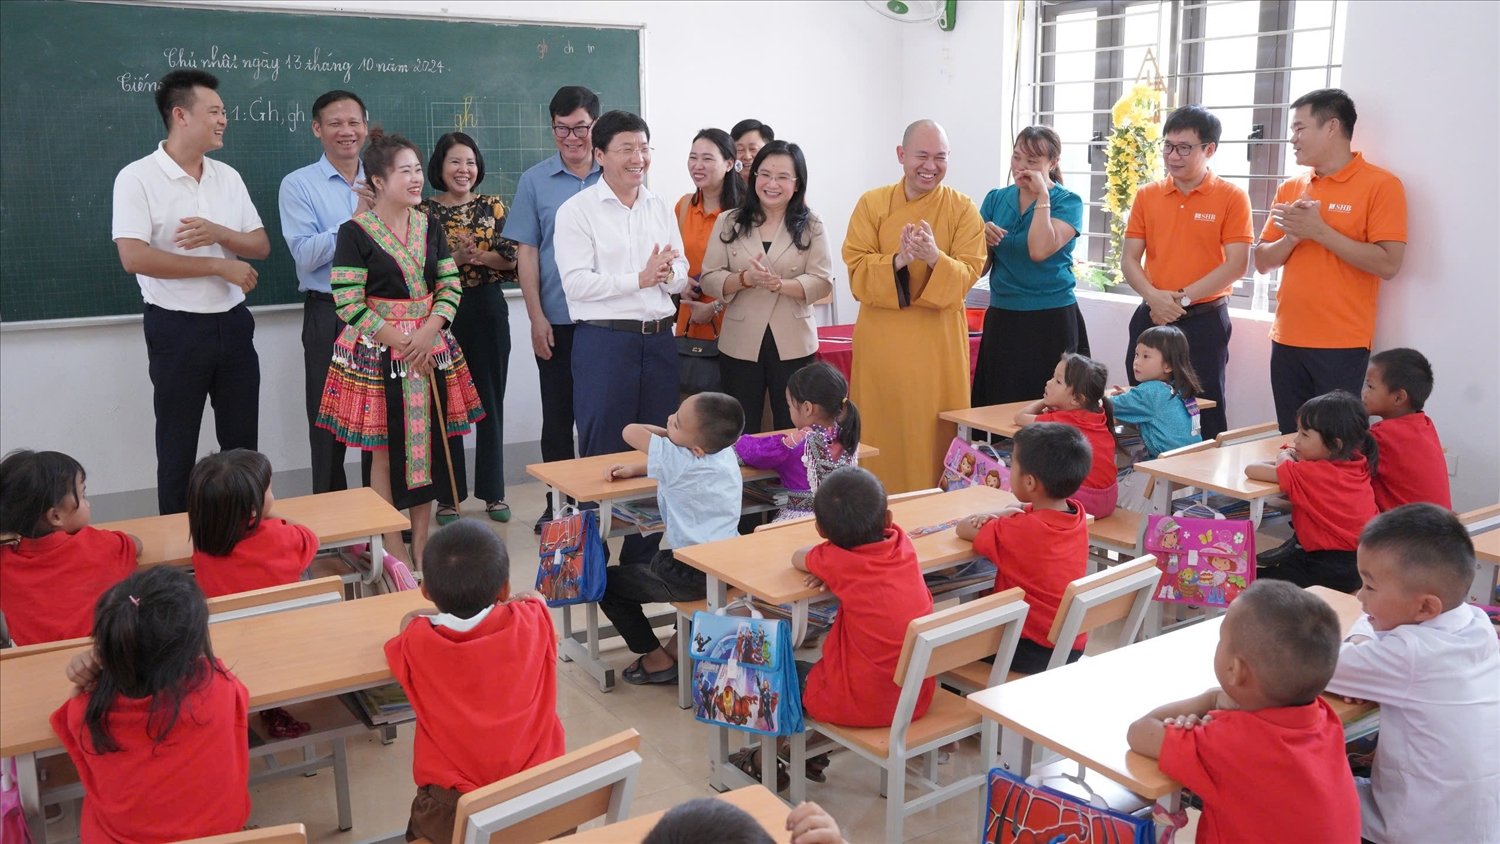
(263, 65)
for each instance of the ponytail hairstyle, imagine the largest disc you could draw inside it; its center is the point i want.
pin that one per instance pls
(751, 214)
(1339, 418)
(1173, 346)
(1040, 141)
(822, 385)
(31, 484)
(226, 493)
(380, 154)
(1087, 379)
(151, 640)
(732, 194)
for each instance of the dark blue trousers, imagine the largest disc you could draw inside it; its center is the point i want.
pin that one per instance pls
(1298, 374)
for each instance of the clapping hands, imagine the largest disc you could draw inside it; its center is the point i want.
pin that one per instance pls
(658, 269)
(918, 243)
(1299, 219)
(759, 276)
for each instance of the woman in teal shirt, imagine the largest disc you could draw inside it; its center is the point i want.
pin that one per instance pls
(1033, 318)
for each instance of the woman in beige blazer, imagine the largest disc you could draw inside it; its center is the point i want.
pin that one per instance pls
(768, 261)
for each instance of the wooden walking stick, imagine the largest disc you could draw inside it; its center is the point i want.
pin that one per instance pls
(432, 386)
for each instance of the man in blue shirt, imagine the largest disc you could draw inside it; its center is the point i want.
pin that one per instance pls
(542, 190)
(314, 201)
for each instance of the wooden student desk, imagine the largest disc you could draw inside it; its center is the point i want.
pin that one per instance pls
(1129, 682)
(338, 518)
(1217, 469)
(760, 802)
(271, 655)
(1487, 555)
(1000, 419)
(583, 480)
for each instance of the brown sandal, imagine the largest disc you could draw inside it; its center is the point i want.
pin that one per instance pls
(748, 761)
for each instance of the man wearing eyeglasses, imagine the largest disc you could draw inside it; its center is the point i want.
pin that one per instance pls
(1193, 230)
(541, 191)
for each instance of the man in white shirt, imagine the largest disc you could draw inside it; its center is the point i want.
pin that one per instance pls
(1431, 661)
(182, 223)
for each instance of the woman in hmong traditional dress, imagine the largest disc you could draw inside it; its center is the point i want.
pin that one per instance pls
(397, 287)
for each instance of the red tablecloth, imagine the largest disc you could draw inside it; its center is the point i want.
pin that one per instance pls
(835, 347)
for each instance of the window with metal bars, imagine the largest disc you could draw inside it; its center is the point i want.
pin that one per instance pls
(1244, 60)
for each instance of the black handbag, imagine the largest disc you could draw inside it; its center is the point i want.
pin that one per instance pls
(698, 365)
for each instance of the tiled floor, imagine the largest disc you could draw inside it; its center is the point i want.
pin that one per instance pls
(674, 746)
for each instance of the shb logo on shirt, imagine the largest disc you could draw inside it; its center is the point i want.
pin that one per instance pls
(1344, 209)
(1204, 217)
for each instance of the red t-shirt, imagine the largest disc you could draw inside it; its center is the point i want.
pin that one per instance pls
(1102, 475)
(194, 783)
(486, 699)
(1276, 774)
(880, 590)
(1041, 551)
(1409, 465)
(49, 585)
(1332, 501)
(274, 554)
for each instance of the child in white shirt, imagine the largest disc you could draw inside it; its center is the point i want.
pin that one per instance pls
(1432, 663)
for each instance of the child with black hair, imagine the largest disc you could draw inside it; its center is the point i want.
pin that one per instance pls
(481, 673)
(157, 730)
(1041, 544)
(698, 488)
(1430, 661)
(1326, 476)
(710, 819)
(1075, 396)
(826, 439)
(53, 566)
(1412, 465)
(1163, 405)
(1263, 750)
(237, 546)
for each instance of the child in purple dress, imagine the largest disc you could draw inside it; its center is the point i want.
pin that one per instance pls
(827, 437)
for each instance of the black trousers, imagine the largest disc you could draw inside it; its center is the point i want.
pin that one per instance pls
(1299, 373)
(751, 381)
(556, 377)
(320, 328)
(1207, 333)
(1020, 349)
(1333, 569)
(194, 357)
(630, 586)
(482, 329)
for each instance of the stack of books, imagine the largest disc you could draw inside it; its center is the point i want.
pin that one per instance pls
(820, 615)
(644, 515)
(380, 706)
(767, 491)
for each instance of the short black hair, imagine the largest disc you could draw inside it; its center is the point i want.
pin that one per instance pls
(1405, 369)
(612, 123)
(1326, 103)
(1057, 455)
(1196, 118)
(850, 507)
(750, 124)
(32, 483)
(1435, 551)
(335, 96)
(465, 567)
(570, 98)
(440, 151)
(1290, 639)
(707, 819)
(224, 498)
(721, 419)
(176, 91)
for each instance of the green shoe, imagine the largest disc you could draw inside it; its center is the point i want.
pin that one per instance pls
(446, 515)
(498, 511)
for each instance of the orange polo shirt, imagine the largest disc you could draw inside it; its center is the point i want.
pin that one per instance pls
(1185, 235)
(1323, 302)
(696, 226)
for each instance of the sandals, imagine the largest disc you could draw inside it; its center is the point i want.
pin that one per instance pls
(498, 511)
(814, 767)
(637, 675)
(446, 515)
(748, 761)
(280, 724)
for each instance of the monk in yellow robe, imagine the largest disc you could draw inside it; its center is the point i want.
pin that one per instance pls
(913, 250)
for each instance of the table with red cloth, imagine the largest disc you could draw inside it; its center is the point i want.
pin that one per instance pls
(836, 348)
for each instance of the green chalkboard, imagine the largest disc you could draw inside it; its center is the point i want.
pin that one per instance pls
(78, 80)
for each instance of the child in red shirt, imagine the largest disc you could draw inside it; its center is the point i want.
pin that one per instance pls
(159, 737)
(1042, 544)
(1075, 396)
(236, 546)
(1263, 750)
(481, 674)
(53, 566)
(1326, 476)
(1412, 466)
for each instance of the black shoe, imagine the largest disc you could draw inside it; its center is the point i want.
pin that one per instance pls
(543, 519)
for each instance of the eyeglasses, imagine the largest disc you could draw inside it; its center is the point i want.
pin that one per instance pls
(561, 132)
(781, 179)
(630, 151)
(1183, 150)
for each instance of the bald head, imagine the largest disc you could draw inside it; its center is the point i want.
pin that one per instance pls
(928, 129)
(924, 157)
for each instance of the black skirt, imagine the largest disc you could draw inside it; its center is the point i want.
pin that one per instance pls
(1020, 349)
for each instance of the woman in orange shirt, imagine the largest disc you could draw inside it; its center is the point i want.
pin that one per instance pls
(710, 164)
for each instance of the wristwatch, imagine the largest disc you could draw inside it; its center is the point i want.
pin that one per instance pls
(1185, 299)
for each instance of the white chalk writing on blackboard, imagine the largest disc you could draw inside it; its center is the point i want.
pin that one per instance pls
(265, 65)
(132, 83)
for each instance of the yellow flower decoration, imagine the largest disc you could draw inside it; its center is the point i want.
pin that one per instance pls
(1131, 161)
